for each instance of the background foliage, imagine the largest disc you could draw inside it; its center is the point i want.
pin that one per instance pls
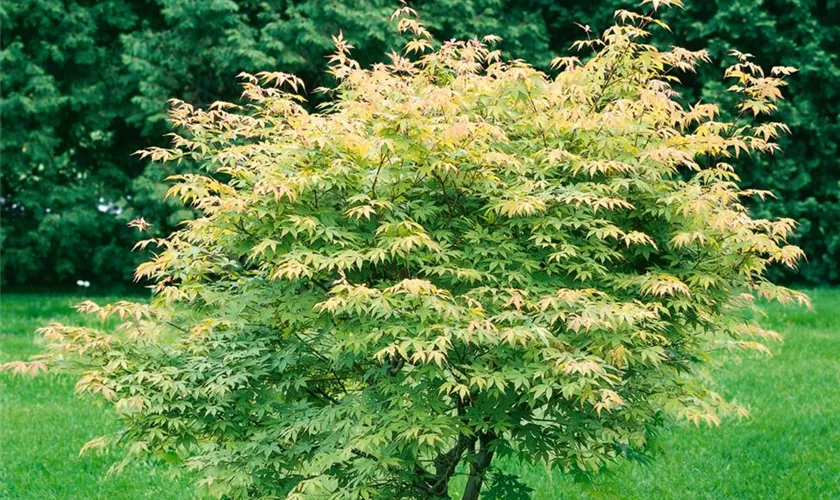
(84, 84)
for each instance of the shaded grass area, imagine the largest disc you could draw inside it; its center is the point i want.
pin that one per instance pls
(788, 449)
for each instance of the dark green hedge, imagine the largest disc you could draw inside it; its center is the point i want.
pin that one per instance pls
(85, 83)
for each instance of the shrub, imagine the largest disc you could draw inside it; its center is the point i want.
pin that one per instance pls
(459, 258)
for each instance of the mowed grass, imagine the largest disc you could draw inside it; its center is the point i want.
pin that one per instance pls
(788, 449)
(43, 425)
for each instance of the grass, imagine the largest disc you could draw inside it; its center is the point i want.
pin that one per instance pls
(788, 449)
(43, 424)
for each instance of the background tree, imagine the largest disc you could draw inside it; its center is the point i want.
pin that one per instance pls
(63, 141)
(457, 259)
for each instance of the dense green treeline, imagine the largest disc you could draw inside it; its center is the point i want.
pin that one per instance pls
(85, 83)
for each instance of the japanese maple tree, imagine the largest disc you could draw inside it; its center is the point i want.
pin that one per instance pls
(458, 258)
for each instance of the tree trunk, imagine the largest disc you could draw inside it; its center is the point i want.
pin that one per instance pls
(445, 465)
(478, 466)
(437, 485)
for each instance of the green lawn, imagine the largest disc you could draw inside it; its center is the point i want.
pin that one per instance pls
(43, 424)
(788, 449)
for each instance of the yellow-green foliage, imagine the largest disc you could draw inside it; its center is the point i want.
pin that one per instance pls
(458, 258)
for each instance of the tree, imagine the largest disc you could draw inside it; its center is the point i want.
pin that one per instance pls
(458, 258)
(61, 189)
